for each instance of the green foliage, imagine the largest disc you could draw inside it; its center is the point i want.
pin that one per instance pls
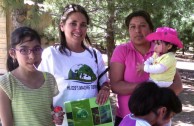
(109, 15)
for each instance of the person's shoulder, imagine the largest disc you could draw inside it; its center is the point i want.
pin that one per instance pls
(4, 77)
(125, 46)
(92, 49)
(48, 74)
(169, 55)
(128, 120)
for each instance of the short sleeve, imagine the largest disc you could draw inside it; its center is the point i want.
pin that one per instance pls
(5, 85)
(119, 54)
(168, 60)
(53, 84)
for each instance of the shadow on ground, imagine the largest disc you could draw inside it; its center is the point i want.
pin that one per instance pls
(186, 117)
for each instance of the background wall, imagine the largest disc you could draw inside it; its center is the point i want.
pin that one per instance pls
(3, 44)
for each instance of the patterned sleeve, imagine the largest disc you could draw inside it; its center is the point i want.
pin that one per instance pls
(53, 83)
(5, 85)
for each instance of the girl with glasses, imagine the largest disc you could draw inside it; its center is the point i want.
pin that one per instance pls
(26, 94)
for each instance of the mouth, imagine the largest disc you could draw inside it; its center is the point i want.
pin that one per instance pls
(77, 34)
(35, 64)
(139, 36)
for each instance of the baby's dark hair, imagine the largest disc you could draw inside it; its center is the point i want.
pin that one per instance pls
(173, 49)
(17, 37)
(148, 97)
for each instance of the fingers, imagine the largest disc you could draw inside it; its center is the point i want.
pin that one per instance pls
(58, 118)
(102, 96)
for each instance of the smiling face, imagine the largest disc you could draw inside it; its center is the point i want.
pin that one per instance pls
(138, 30)
(27, 62)
(75, 28)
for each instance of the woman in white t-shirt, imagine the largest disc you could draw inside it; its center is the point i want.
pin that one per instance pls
(73, 62)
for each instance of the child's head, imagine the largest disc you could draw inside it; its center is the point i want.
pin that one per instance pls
(166, 40)
(25, 49)
(161, 102)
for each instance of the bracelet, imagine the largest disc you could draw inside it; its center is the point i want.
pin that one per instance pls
(107, 87)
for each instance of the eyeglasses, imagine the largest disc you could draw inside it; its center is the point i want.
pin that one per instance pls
(25, 51)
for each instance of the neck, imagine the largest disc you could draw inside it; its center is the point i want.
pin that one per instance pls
(76, 48)
(150, 118)
(31, 79)
(20, 71)
(142, 48)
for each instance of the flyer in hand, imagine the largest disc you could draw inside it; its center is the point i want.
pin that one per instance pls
(87, 113)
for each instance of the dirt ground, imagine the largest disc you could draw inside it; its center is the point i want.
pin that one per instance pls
(186, 117)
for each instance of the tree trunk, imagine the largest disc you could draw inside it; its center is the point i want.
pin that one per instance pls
(19, 17)
(8, 27)
(110, 30)
(110, 38)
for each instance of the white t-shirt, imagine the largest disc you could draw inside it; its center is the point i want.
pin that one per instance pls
(76, 74)
(130, 120)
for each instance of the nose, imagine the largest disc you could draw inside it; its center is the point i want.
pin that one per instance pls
(78, 27)
(31, 55)
(137, 29)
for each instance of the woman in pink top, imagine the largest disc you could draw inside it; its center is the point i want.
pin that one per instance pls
(123, 74)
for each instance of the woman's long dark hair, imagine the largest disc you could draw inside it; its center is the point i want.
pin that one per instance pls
(17, 37)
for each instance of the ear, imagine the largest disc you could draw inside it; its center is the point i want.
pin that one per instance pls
(12, 53)
(169, 46)
(62, 26)
(162, 111)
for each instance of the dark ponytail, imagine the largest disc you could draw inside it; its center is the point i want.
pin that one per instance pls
(11, 63)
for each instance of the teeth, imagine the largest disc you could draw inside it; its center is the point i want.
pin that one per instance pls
(77, 35)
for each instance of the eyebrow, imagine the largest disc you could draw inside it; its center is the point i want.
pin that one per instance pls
(24, 46)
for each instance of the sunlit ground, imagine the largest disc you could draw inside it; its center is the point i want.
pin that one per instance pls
(186, 117)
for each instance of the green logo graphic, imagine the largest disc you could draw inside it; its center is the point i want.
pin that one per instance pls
(82, 114)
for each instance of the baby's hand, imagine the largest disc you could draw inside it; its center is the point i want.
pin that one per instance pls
(57, 115)
(140, 67)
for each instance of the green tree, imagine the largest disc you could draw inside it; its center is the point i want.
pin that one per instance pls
(107, 27)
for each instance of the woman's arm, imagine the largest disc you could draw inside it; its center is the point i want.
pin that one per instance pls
(177, 86)
(5, 109)
(118, 85)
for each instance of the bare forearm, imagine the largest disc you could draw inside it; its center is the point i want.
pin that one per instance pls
(5, 110)
(177, 86)
(123, 88)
